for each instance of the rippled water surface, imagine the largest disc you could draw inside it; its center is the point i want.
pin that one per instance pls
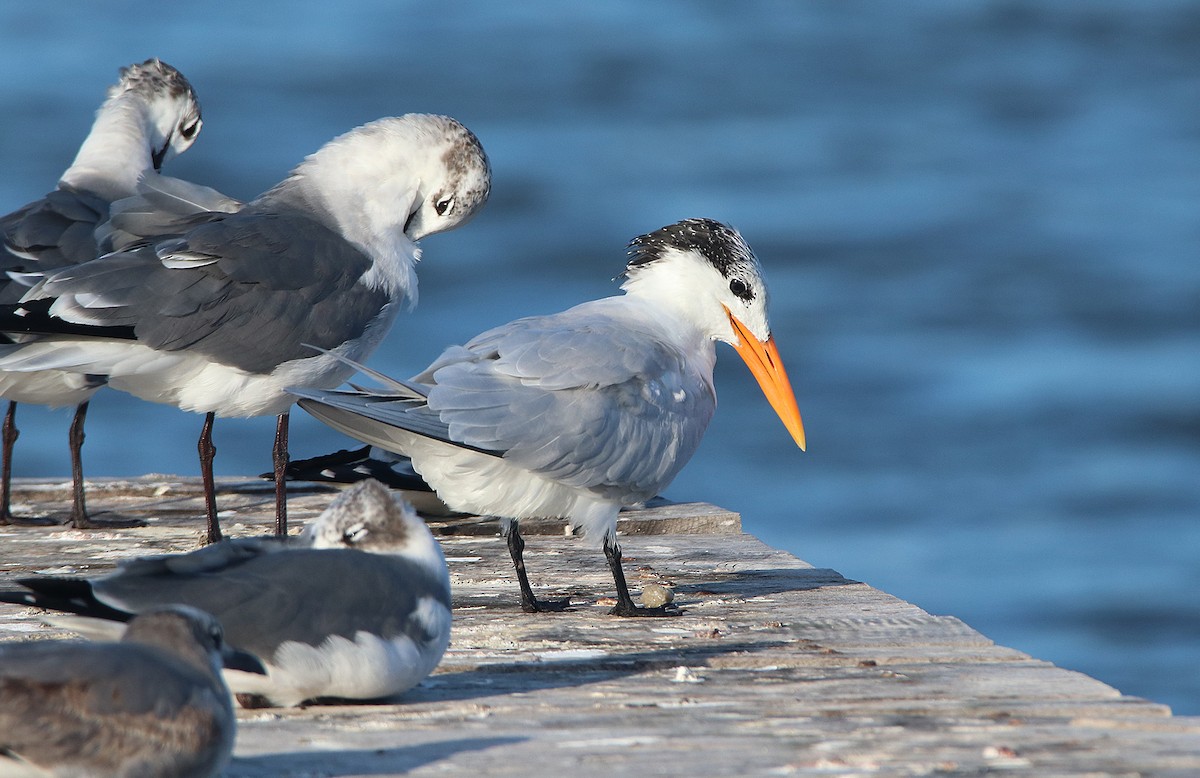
(979, 222)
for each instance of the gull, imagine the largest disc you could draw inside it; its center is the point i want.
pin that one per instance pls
(150, 115)
(153, 704)
(357, 607)
(579, 413)
(219, 319)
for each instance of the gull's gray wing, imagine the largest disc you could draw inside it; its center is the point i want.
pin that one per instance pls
(250, 289)
(212, 558)
(90, 708)
(81, 596)
(162, 206)
(54, 232)
(300, 594)
(110, 677)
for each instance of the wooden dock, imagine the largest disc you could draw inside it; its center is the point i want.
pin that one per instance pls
(775, 667)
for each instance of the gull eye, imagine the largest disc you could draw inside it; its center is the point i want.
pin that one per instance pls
(355, 534)
(739, 288)
(441, 206)
(190, 131)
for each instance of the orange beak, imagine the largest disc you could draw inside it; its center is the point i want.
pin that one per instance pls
(764, 362)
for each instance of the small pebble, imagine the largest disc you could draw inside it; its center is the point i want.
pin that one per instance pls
(656, 596)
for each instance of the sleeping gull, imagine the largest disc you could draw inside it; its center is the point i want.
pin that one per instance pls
(153, 704)
(357, 607)
(579, 413)
(220, 319)
(151, 114)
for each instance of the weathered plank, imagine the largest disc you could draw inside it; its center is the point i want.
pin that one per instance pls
(774, 668)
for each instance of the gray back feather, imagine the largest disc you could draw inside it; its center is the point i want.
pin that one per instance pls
(263, 599)
(50, 233)
(249, 289)
(125, 678)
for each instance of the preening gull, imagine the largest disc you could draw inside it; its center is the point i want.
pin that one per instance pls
(579, 413)
(150, 115)
(153, 704)
(221, 318)
(357, 607)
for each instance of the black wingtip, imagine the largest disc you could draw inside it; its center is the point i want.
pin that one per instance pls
(311, 469)
(349, 466)
(236, 659)
(34, 318)
(67, 595)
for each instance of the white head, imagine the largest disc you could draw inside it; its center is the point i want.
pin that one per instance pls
(705, 271)
(171, 112)
(151, 115)
(457, 178)
(418, 173)
(369, 517)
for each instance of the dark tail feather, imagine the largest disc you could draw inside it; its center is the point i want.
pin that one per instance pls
(67, 595)
(350, 466)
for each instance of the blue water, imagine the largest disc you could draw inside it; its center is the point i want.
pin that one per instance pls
(979, 221)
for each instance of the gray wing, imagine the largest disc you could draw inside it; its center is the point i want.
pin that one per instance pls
(54, 232)
(212, 558)
(107, 677)
(582, 397)
(369, 414)
(249, 289)
(72, 702)
(300, 595)
(162, 206)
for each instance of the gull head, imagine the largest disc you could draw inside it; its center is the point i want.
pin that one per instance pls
(370, 517)
(455, 177)
(706, 272)
(185, 632)
(171, 109)
(400, 177)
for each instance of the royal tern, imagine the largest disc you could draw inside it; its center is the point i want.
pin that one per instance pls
(579, 413)
(357, 607)
(153, 704)
(220, 319)
(150, 115)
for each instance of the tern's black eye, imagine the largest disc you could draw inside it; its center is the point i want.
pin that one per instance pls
(441, 206)
(739, 288)
(190, 131)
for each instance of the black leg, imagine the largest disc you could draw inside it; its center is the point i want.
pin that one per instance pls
(79, 517)
(281, 463)
(8, 436)
(207, 452)
(529, 603)
(79, 514)
(625, 606)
